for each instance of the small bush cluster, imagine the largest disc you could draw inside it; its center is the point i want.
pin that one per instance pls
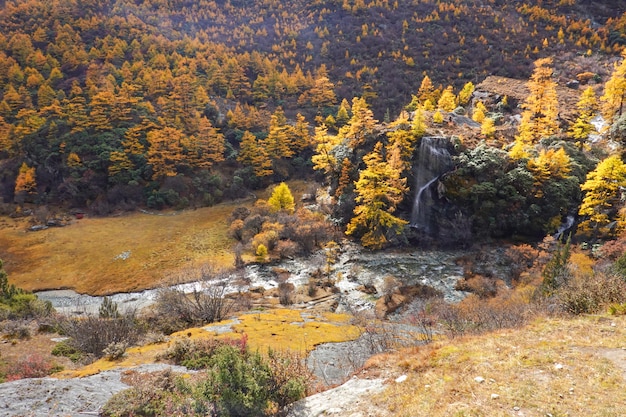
(208, 301)
(31, 366)
(281, 234)
(96, 336)
(16, 303)
(593, 294)
(234, 381)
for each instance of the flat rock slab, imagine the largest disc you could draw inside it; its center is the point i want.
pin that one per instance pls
(77, 397)
(341, 401)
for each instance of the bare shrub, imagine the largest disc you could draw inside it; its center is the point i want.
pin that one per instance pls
(286, 291)
(92, 335)
(378, 336)
(521, 258)
(287, 248)
(508, 309)
(481, 286)
(16, 329)
(31, 366)
(590, 294)
(207, 302)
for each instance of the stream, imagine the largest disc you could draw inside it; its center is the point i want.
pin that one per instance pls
(353, 268)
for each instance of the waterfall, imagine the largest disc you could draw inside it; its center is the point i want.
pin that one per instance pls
(433, 160)
(565, 226)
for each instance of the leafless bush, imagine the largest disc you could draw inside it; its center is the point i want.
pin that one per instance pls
(481, 286)
(420, 314)
(206, 303)
(286, 291)
(377, 335)
(16, 329)
(589, 295)
(92, 334)
(474, 315)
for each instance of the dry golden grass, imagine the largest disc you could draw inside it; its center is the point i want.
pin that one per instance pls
(280, 329)
(552, 367)
(85, 256)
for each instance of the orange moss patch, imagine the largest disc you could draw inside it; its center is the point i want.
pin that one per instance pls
(287, 329)
(280, 329)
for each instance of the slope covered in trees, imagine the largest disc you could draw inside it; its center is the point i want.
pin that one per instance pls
(113, 104)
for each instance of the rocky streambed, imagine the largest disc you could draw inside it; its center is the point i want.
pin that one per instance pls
(352, 270)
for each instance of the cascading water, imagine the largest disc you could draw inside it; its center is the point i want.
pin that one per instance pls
(433, 160)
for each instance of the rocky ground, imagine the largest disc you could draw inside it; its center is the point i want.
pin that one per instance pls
(45, 397)
(362, 277)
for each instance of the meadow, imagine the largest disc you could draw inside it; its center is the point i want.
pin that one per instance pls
(100, 256)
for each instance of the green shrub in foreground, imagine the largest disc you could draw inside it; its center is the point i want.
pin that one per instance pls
(233, 382)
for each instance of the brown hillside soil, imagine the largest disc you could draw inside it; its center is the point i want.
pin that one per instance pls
(518, 90)
(550, 367)
(115, 254)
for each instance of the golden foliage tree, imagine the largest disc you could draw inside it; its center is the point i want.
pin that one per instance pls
(550, 164)
(615, 91)
(25, 183)
(447, 101)
(582, 127)
(403, 136)
(603, 195)
(165, 151)
(301, 137)
(426, 91)
(488, 127)
(206, 147)
(324, 160)
(278, 143)
(379, 190)
(251, 153)
(466, 93)
(282, 199)
(541, 107)
(361, 124)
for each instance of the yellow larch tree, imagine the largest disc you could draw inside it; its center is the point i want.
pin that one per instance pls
(252, 154)
(466, 93)
(324, 160)
(479, 113)
(278, 143)
(165, 151)
(206, 147)
(379, 190)
(603, 195)
(488, 127)
(426, 91)
(447, 101)
(582, 127)
(301, 136)
(361, 124)
(403, 137)
(549, 164)
(282, 199)
(345, 178)
(25, 183)
(615, 91)
(541, 108)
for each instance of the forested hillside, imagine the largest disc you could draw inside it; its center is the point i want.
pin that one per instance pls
(116, 104)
